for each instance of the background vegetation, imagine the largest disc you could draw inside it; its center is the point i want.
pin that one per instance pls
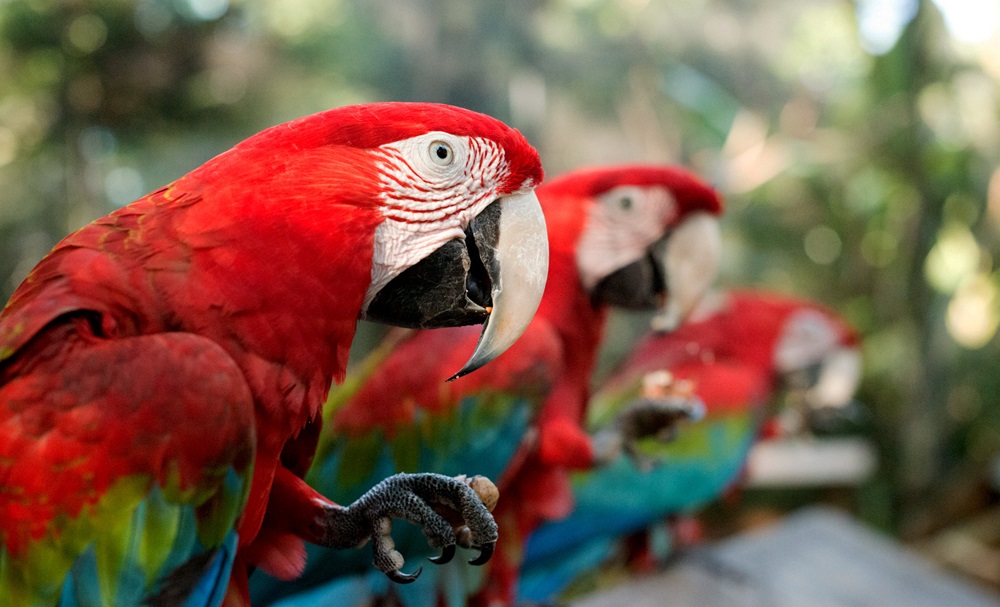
(858, 146)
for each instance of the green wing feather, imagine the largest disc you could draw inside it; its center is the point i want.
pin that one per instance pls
(107, 482)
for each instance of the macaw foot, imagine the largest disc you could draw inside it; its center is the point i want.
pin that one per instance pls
(657, 418)
(450, 510)
(657, 414)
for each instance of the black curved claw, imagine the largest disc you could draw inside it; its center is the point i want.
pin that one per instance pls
(404, 578)
(485, 552)
(446, 555)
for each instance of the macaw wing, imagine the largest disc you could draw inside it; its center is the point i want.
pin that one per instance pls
(86, 271)
(109, 491)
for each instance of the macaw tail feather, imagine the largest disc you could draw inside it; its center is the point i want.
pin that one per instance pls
(200, 581)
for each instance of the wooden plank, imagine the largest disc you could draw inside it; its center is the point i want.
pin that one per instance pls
(818, 557)
(811, 462)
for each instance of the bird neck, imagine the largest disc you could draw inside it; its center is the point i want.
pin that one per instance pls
(567, 307)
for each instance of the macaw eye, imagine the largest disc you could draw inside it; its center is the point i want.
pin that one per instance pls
(625, 203)
(441, 153)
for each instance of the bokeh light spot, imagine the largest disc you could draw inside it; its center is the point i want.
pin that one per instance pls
(208, 10)
(822, 244)
(974, 313)
(293, 18)
(123, 185)
(152, 17)
(954, 258)
(880, 22)
(970, 21)
(96, 143)
(87, 33)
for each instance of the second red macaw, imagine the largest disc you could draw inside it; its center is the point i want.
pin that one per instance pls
(643, 237)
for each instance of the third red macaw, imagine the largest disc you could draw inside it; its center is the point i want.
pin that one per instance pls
(736, 351)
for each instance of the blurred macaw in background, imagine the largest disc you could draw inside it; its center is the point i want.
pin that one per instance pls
(163, 369)
(737, 350)
(643, 237)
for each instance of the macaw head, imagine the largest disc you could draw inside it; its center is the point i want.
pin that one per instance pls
(440, 201)
(818, 363)
(463, 240)
(647, 237)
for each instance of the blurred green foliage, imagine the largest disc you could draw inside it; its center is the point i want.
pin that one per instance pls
(865, 179)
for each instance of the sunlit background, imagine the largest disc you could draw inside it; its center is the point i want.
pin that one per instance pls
(858, 146)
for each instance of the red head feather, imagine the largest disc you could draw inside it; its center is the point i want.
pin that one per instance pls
(691, 192)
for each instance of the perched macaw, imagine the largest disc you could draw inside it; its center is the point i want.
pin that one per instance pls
(633, 236)
(734, 353)
(163, 369)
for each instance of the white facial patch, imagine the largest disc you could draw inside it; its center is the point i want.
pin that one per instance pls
(620, 229)
(433, 185)
(807, 338)
(810, 338)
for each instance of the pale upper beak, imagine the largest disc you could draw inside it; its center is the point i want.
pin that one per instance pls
(518, 267)
(691, 261)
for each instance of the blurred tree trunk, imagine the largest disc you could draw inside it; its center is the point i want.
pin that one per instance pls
(899, 78)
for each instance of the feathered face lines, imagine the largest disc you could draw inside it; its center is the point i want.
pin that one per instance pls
(431, 186)
(426, 179)
(621, 226)
(598, 181)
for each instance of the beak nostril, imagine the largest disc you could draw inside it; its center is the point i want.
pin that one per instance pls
(479, 286)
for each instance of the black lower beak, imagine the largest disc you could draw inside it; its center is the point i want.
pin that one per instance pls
(464, 282)
(641, 285)
(673, 276)
(450, 287)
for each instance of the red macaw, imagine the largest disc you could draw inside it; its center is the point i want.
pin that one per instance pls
(735, 353)
(632, 236)
(163, 369)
